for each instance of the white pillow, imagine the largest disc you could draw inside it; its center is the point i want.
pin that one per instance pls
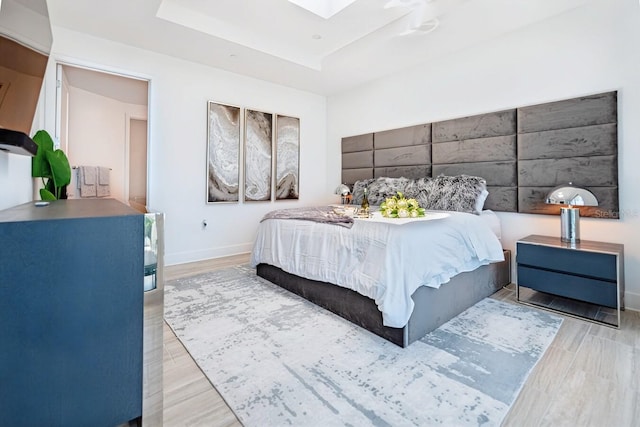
(481, 199)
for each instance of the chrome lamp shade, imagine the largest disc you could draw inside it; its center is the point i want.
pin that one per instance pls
(570, 196)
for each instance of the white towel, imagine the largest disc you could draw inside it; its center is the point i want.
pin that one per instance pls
(104, 189)
(87, 181)
(103, 175)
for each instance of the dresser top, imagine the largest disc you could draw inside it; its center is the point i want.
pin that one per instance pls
(583, 245)
(67, 209)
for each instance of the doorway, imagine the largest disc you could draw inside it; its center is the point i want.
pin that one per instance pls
(102, 123)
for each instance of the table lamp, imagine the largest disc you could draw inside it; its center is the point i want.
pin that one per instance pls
(344, 191)
(570, 195)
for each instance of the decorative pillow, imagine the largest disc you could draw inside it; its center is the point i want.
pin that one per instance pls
(358, 190)
(385, 187)
(460, 193)
(413, 187)
(481, 199)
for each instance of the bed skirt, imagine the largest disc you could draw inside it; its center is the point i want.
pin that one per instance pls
(433, 307)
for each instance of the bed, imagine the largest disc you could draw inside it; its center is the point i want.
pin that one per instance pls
(374, 273)
(520, 153)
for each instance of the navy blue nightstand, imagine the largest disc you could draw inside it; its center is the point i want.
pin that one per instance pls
(585, 279)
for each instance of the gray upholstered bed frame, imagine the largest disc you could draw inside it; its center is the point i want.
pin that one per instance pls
(433, 307)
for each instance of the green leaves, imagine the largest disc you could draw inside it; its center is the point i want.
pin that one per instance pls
(50, 165)
(47, 195)
(39, 164)
(60, 169)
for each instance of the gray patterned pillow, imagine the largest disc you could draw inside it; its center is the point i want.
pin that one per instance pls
(451, 193)
(358, 190)
(385, 187)
(413, 187)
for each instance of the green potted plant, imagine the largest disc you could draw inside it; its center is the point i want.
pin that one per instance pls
(50, 165)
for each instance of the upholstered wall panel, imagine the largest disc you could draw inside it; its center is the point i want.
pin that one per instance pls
(357, 143)
(350, 176)
(598, 140)
(480, 126)
(501, 199)
(502, 174)
(358, 159)
(573, 141)
(412, 135)
(522, 153)
(501, 181)
(585, 171)
(483, 145)
(413, 172)
(475, 150)
(577, 112)
(403, 156)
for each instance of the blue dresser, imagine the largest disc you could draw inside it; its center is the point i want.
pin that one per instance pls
(71, 314)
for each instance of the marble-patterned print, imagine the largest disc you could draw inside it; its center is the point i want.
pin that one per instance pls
(224, 153)
(287, 157)
(257, 169)
(279, 360)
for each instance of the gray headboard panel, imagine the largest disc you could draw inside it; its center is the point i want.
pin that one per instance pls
(575, 140)
(522, 153)
(357, 158)
(482, 145)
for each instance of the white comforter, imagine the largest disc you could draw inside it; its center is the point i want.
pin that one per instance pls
(382, 260)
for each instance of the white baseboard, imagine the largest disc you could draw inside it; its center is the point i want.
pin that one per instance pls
(219, 252)
(632, 301)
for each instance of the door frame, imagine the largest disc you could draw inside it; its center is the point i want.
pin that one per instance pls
(127, 151)
(60, 61)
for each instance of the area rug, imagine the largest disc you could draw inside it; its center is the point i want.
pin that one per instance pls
(279, 360)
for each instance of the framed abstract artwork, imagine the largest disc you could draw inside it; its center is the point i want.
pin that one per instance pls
(258, 144)
(287, 157)
(223, 152)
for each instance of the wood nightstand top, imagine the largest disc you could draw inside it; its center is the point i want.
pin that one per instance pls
(583, 245)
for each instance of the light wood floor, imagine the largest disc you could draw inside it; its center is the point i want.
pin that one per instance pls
(590, 376)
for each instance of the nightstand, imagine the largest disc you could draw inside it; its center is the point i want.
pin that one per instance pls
(584, 280)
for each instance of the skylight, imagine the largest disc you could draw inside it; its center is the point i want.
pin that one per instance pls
(323, 8)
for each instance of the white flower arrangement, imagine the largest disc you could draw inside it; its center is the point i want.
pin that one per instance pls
(400, 207)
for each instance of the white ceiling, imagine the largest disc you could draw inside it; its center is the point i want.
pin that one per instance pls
(123, 89)
(278, 41)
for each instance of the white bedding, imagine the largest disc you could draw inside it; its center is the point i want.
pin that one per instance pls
(384, 261)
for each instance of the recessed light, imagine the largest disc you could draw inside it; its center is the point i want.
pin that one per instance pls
(316, 36)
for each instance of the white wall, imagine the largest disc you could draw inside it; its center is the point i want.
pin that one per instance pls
(15, 181)
(589, 50)
(16, 184)
(97, 134)
(27, 26)
(179, 91)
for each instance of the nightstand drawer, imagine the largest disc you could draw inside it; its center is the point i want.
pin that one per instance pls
(580, 288)
(584, 263)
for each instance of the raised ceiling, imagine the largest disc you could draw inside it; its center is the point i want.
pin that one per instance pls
(282, 42)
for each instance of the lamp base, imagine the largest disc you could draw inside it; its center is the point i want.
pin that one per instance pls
(570, 225)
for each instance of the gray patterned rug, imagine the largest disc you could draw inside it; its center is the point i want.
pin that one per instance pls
(279, 360)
